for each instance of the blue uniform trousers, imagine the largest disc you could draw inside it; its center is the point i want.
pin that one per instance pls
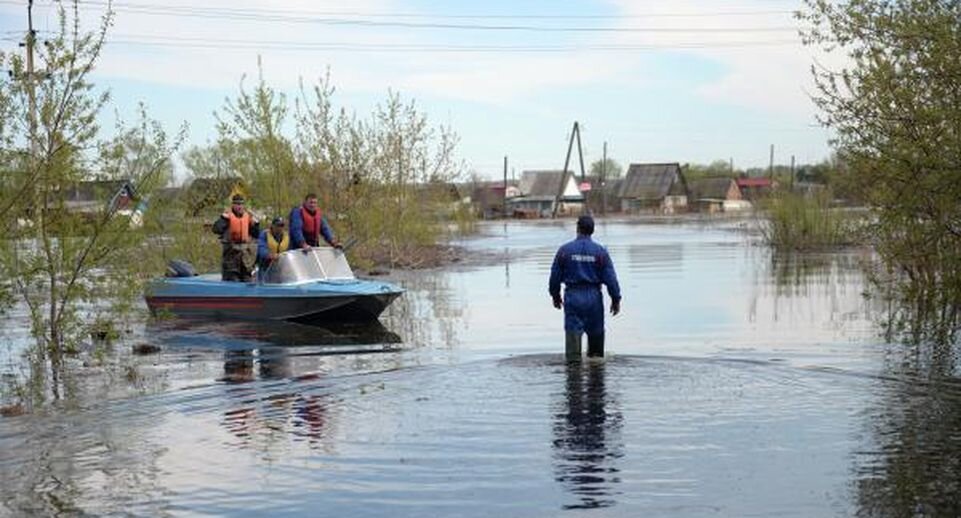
(584, 309)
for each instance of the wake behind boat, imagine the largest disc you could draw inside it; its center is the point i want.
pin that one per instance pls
(303, 286)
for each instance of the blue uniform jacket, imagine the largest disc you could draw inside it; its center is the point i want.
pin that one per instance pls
(582, 266)
(297, 229)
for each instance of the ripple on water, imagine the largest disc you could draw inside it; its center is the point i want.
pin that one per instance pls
(527, 435)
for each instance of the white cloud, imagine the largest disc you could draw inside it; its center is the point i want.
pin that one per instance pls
(770, 71)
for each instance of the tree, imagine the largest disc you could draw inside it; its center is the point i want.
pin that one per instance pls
(59, 264)
(895, 108)
(613, 170)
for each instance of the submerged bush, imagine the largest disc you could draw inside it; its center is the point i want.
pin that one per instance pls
(803, 222)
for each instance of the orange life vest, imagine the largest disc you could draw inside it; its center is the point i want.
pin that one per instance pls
(312, 223)
(239, 227)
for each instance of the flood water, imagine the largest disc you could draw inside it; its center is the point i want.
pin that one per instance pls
(736, 384)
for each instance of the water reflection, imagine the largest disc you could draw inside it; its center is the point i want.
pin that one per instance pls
(261, 414)
(209, 334)
(914, 465)
(587, 439)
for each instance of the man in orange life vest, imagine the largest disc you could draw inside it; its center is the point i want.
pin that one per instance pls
(308, 225)
(238, 231)
(272, 242)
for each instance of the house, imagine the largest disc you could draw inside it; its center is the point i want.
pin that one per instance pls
(93, 196)
(715, 194)
(209, 196)
(488, 197)
(658, 188)
(540, 189)
(602, 197)
(754, 187)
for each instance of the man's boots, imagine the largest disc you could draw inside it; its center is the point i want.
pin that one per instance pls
(572, 346)
(595, 346)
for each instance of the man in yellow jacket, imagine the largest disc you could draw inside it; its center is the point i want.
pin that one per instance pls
(272, 243)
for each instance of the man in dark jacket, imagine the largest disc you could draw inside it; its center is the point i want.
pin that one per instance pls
(582, 266)
(272, 242)
(308, 225)
(238, 231)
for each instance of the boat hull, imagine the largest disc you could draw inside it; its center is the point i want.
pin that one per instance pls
(320, 301)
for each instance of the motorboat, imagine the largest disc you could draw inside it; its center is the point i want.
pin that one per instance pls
(315, 285)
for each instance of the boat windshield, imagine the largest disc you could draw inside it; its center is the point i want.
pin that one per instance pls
(316, 264)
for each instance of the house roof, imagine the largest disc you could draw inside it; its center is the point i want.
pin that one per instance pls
(541, 184)
(715, 188)
(755, 182)
(651, 181)
(97, 190)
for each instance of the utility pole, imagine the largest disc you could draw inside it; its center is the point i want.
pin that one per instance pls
(575, 133)
(504, 197)
(31, 92)
(792, 172)
(731, 165)
(770, 167)
(604, 181)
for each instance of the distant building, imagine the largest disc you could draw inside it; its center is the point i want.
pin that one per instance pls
(717, 194)
(658, 188)
(541, 189)
(487, 198)
(755, 187)
(94, 196)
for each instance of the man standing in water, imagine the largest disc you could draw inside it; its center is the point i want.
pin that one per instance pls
(583, 265)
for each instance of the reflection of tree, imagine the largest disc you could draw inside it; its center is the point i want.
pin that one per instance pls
(793, 282)
(81, 464)
(915, 469)
(427, 308)
(586, 437)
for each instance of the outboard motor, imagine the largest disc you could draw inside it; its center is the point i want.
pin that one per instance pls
(179, 268)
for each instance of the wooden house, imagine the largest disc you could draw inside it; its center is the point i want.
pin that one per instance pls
(541, 189)
(715, 194)
(658, 188)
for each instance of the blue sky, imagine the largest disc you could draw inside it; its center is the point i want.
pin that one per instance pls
(683, 80)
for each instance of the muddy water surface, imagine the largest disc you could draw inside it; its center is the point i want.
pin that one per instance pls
(736, 385)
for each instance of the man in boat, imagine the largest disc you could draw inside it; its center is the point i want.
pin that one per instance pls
(272, 242)
(238, 231)
(308, 225)
(582, 266)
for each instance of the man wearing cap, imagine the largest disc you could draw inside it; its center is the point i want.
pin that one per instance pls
(272, 242)
(582, 266)
(238, 231)
(308, 225)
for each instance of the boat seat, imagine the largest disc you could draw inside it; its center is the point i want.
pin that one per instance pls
(180, 268)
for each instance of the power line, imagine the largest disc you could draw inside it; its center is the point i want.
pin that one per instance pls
(445, 48)
(262, 15)
(471, 16)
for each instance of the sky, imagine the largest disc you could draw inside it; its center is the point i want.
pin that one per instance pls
(688, 81)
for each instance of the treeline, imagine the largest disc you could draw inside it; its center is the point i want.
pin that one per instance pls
(895, 109)
(78, 266)
(383, 180)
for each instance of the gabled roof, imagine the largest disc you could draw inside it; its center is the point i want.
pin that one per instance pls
(98, 190)
(755, 182)
(715, 188)
(541, 184)
(651, 181)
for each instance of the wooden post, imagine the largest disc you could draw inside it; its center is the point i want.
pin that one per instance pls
(567, 162)
(504, 196)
